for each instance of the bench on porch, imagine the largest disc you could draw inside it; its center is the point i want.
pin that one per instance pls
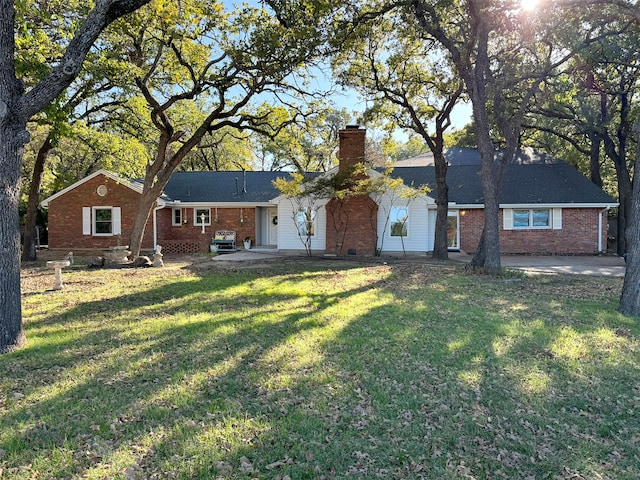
(225, 240)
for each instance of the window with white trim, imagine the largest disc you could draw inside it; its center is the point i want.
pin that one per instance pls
(532, 218)
(201, 216)
(176, 217)
(101, 221)
(305, 219)
(399, 221)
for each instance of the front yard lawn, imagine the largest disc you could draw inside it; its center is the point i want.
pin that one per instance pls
(322, 370)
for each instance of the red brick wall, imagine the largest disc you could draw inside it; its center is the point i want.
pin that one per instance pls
(579, 234)
(189, 238)
(351, 225)
(351, 222)
(352, 147)
(65, 215)
(471, 222)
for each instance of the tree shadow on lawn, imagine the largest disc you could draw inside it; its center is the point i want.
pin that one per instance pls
(102, 394)
(458, 383)
(441, 378)
(418, 388)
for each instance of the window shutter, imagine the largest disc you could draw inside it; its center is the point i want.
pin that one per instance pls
(115, 218)
(507, 219)
(556, 221)
(86, 220)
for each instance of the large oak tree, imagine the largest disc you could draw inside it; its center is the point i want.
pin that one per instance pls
(502, 55)
(17, 106)
(200, 69)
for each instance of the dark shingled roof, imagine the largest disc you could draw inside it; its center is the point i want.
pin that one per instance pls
(226, 187)
(536, 178)
(550, 183)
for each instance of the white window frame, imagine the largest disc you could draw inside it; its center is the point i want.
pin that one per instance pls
(406, 223)
(196, 217)
(302, 211)
(555, 218)
(173, 217)
(89, 218)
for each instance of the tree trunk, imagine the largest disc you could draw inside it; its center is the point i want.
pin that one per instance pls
(16, 107)
(11, 331)
(441, 242)
(13, 137)
(490, 171)
(479, 257)
(143, 211)
(630, 297)
(625, 190)
(594, 160)
(625, 209)
(487, 255)
(29, 240)
(491, 230)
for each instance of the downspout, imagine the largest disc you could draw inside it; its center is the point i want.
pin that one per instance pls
(155, 226)
(600, 227)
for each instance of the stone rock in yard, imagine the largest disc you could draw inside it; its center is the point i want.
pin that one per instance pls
(97, 262)
(142, 261)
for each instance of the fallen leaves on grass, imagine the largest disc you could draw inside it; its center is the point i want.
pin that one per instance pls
(321, 371)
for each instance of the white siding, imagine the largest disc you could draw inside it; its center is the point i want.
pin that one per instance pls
(288, 237)
(421, 226)
(419, 233)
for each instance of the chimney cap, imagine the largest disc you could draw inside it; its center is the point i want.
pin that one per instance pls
(353, 126)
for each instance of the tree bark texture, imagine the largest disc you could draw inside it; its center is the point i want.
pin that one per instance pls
(156, 178)
(143, 211)
(13, 136)
(11, 330)
(476, 82)
(618, 155)
(625, 210)
(630, 297)
(441, 241)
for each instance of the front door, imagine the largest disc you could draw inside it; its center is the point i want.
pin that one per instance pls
(273, 227)
(453, 230)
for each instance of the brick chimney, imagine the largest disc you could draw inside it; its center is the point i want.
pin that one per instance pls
(351, 149)
(352, 220)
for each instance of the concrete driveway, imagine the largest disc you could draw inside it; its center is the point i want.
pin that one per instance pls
(606, 266)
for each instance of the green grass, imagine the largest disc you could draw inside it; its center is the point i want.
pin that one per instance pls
(319, 371)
